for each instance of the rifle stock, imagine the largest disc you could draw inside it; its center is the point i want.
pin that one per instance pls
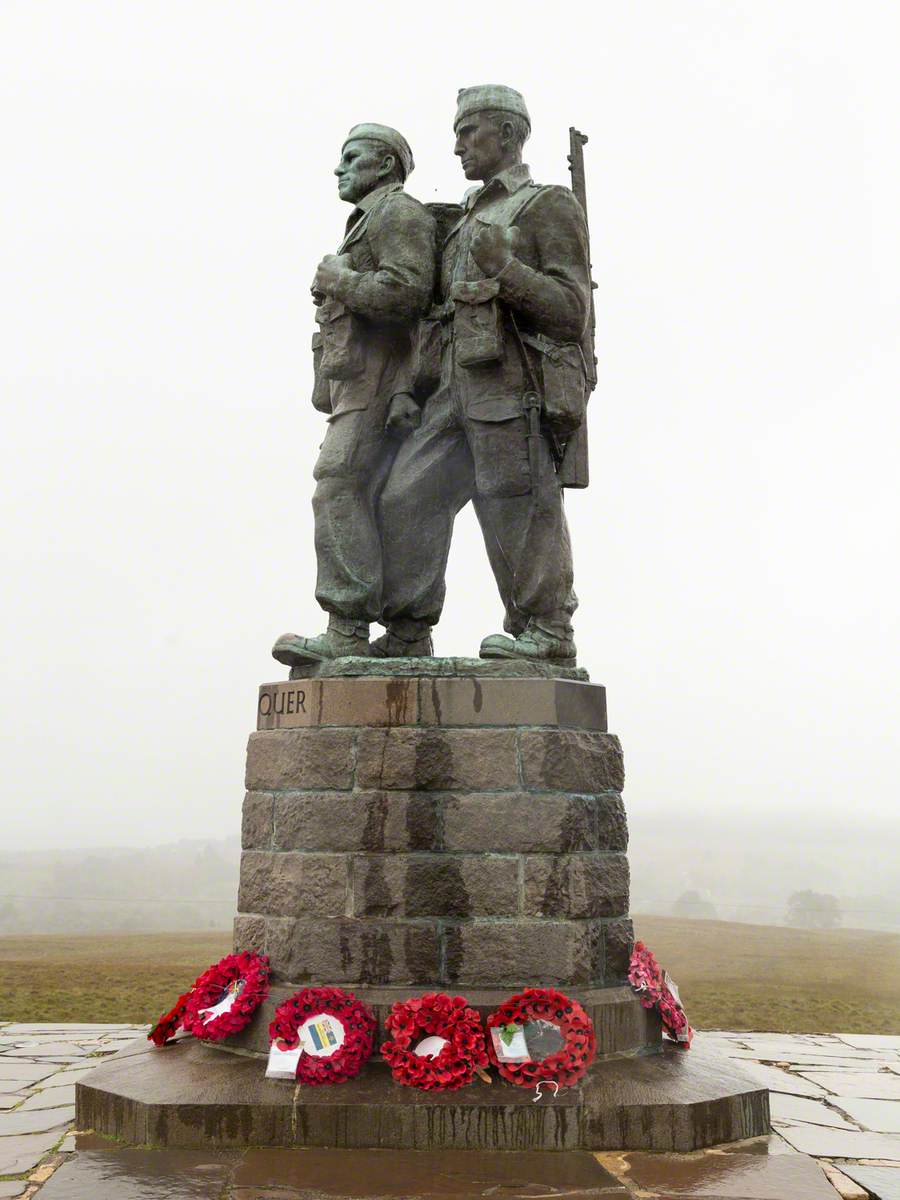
(574, 469)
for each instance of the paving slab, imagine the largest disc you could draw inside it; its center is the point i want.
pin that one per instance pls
(777, 1080)
(786, 1108)
(56, 1097)
(868, 1085)
(21, 1154)
(10, 1100)
(843, 1184)
(371, 1174)
(63, 1027)
(863, 1040)
(839, 1143)
(881, 1116)
(39, 1048)
(742, 1176)
(12, 1123)
(18, 1072)
(12, 1187)
(883, 1183)
(126, 1174)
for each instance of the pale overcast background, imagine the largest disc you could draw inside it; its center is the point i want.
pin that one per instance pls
(167, 192)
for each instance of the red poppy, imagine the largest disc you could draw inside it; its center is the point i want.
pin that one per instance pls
(434, 1015)
(566, 1065)
(357, 1025)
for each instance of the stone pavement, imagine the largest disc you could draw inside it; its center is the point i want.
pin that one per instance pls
(834, 1107)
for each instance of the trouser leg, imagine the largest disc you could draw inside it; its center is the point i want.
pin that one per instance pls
(527, 542)
(431, 479)
(353, 463)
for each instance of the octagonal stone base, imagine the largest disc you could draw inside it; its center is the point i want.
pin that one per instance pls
(191, 1094)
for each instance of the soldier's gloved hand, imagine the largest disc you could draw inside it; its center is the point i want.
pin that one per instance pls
(328, 272)
(494, 247)
(404, 415)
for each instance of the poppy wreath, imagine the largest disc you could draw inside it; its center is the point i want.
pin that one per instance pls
(250, 970)
(567, 1065)
(169, 1023)
(356, 1019)
(434, 1015)
(650, 983)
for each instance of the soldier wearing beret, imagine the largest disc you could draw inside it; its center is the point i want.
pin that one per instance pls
(515, 289)
(369, 297)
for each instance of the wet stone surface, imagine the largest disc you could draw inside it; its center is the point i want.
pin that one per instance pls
(834, 1100)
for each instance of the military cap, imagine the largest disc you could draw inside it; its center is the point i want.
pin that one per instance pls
(389, 137)
(490, 96)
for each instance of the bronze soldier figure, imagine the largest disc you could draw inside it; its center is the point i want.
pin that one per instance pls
(515, 289)
(369, 297)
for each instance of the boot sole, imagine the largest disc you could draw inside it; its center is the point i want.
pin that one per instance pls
(506, 655)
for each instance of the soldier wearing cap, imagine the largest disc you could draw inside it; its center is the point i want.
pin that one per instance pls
(515, 285)
(369, 296)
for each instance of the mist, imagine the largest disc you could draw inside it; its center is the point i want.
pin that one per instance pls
(168, 193)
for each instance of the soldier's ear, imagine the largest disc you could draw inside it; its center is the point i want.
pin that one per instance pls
(507, 133)
(388, 165)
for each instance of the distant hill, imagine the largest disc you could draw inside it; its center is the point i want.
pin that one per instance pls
(185, 885)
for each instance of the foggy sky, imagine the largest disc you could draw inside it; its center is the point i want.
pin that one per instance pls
(167, 193)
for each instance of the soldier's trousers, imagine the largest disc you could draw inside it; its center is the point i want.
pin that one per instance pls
(479, 454)
(353, 463)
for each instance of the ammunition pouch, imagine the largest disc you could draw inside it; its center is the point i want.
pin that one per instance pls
(477, 322)
(342, 349)
(565, 380)
(321, 393)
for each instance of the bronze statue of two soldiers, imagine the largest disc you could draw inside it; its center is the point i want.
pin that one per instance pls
(453, 357)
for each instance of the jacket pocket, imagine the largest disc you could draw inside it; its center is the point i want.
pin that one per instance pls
(498, 437)
(342, 350)
(477, 323)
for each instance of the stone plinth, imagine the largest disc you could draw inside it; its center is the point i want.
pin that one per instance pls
(458, 829)
(435, 832)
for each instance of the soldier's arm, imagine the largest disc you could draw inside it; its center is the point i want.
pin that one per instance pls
(555, 298)
(401, 235)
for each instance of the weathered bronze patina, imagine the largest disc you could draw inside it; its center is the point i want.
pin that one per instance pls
(488, 385)
(369, 297)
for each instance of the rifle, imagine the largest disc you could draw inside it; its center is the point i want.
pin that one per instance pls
(573, 470)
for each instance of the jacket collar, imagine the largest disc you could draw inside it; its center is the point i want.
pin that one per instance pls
(509, 180)
(371, 198)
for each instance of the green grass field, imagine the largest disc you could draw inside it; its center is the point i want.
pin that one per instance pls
(730, 976)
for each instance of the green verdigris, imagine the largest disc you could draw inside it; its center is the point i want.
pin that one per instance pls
(369, 297)
(515, 295)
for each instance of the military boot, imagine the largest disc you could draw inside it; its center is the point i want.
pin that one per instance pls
(533, 645)
(342, 639)
(391, 645)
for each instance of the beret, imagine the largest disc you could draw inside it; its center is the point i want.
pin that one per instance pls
(390, 137)
(490, 96)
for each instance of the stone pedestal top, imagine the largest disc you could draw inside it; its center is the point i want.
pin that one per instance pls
(406, 668)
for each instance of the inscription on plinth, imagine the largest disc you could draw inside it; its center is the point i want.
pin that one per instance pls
(373, 701)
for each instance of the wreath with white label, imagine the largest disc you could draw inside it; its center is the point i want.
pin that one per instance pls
(225, 997)
(437, 1043)
(656, 989)
(541, 1034)
(219, 1003)
(332, 1030)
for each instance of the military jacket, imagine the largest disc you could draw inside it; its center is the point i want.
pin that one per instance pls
(366, 324)
(547, 287)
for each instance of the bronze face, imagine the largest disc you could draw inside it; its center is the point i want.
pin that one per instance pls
(480, 147)
(363, 166)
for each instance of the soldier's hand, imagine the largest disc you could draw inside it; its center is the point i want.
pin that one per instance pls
(404, 415)
(494, 247)
(328, 272)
